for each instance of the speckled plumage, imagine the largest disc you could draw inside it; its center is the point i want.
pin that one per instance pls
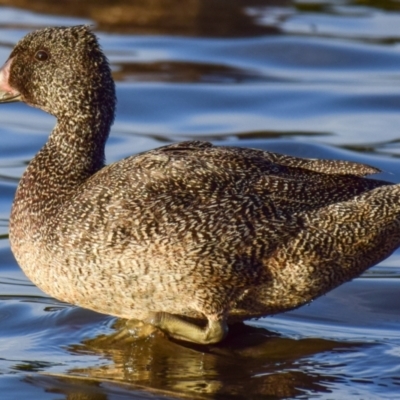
(190, 229)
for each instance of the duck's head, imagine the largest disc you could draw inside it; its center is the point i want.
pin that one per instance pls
(60, 70)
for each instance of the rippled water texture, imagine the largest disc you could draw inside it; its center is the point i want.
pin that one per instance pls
(308, 78)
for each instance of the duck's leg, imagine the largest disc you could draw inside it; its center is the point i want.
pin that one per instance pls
(181, 329)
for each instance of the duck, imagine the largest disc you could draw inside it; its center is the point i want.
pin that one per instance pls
(190, 237)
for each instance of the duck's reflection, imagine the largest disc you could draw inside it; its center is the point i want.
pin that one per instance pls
(251, 363)
(189, 17)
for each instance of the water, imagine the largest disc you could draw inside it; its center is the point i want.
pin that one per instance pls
(308, 78)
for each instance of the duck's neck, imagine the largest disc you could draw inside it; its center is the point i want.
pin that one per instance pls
(73, 153)
(76, 148)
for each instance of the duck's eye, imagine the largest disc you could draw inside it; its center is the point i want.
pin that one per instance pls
(41, 55)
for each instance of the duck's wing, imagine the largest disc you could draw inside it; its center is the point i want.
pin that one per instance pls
(330, 167)
(194, 173)
(222, 208)
(323, 166)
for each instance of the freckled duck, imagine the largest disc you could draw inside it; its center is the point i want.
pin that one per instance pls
(188, 237)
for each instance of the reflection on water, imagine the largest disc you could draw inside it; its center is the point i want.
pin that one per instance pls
(307, 78)
(225, 370)
(189, 17)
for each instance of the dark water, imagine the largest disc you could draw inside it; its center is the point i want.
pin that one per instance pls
(309, 78)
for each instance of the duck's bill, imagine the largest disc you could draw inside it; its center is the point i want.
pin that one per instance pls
(6, 97)
(7, 93)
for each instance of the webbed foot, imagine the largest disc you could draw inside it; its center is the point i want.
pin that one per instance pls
(181, 329)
